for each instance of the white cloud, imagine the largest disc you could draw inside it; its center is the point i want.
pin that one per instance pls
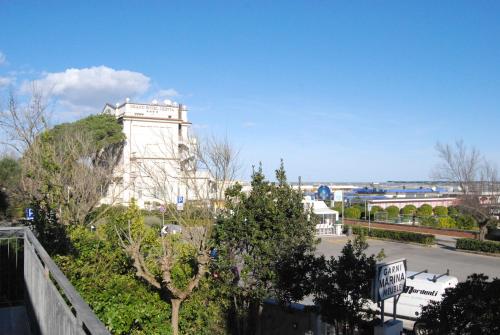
(168, 93)
(86, 90)
(249, 124)
(6, 81)
(3, 59)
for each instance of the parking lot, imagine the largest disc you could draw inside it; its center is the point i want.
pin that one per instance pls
(436, 259)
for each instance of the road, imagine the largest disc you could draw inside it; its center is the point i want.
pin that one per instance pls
(436, 259)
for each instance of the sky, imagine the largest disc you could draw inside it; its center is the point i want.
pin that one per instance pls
(341, 90)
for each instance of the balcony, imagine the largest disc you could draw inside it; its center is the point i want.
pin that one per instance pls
(35, 296)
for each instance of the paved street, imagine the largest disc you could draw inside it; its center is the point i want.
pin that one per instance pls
(436, 259)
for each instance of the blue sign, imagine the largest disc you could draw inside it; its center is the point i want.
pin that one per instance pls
(29, 214)
(180, 199)
(324, 192)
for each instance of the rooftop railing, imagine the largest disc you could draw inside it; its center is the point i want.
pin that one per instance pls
(31, 276)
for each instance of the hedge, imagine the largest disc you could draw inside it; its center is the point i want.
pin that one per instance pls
(406, 236)
(476, 245)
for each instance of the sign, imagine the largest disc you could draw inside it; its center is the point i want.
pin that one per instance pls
(162, 209)
(29, 214)
(390, 279)
(337, 196)
(180, 203)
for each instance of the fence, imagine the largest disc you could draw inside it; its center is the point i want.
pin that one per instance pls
(53, 305)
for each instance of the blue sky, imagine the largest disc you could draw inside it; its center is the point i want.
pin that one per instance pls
(342, 91)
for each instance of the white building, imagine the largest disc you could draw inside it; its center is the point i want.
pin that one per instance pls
(157, 155)
(328, 218)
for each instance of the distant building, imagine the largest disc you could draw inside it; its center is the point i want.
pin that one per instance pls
(157, 152)
(328, 218)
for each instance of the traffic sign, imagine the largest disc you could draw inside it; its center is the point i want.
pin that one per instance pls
(29, 214)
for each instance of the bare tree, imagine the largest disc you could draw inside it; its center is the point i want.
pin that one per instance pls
(201, 171)
(68, 173)
(23, 120)
(477, 178)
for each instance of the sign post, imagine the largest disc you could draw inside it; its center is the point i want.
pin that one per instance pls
(390, 282)
(339, 196)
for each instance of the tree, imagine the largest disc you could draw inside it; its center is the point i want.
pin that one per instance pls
(476, 177)
(424, 210)
(176, 264)
(67, 169)
(343, 286)
(173, 264)
(352, 213)
(10, 172)
(440, 211)
(392, 212)
(472, 307)
(24, 119)
(253, 235)
(409, 210)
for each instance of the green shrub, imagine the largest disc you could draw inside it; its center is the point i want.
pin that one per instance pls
(440, 211)
(408, 210)
(406, 236)
(476, 245)
(424, 210)
(392, 212)
(352, 213)
(466, 222)
(446, 222)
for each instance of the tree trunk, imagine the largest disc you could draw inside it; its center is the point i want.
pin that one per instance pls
(482, 232)
(176, 306)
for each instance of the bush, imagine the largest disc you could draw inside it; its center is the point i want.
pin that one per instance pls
(352, 213)
(392, 212)
(428, 221)
(406, 236)
(465, 222)
(476, 245)
(446, 222)
(408, 210)
(440, 211)
(424, 210)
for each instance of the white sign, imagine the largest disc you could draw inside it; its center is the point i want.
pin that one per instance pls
(180, 203)
(337, 196)
(390, 279)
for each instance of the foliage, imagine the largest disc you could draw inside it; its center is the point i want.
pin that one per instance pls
(255, 233)
(67, 168)
(440, 211)
(472, 307)
(352, 213)
(407, 236)
(476, 245)
(10, 172)
(424, 210)
(446, 222)
(466, 221)
(453, 210)
(102, 274)
(392, 212)
(343, 286)
(409, 210)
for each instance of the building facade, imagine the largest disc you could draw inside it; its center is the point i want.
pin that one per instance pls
(158, 156)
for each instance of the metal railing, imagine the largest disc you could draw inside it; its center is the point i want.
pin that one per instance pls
(53, 305)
